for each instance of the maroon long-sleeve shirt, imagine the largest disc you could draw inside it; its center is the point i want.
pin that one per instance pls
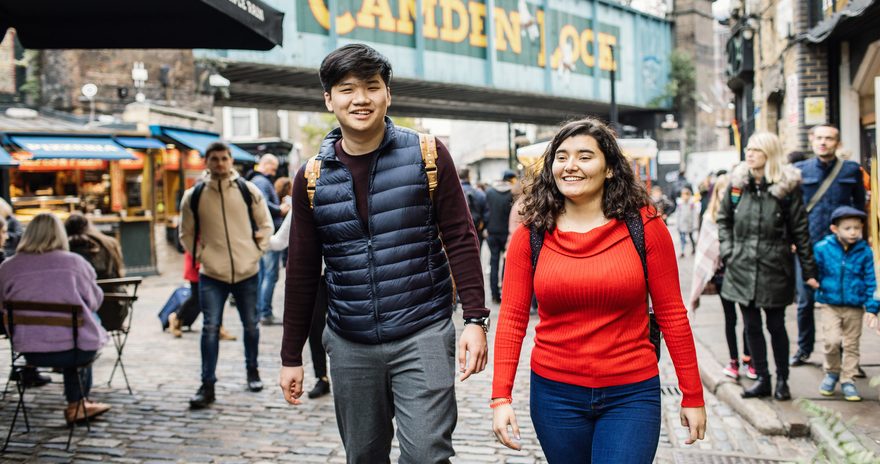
(304, 255)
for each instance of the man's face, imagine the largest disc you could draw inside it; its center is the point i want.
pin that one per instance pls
(219, 164)
(269, 168)
(848, 230)
(824, 141)
(360, 105)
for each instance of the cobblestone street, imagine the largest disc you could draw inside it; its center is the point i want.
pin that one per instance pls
(156, 425)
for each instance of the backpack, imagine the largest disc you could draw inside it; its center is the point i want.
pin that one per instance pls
(194, 206)
(637, 233)
(428, 145)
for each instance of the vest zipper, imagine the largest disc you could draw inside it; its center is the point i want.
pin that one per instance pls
(370, 255)
(226, 231)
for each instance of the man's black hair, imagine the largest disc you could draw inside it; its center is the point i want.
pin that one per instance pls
(217, 146)
(361, 60)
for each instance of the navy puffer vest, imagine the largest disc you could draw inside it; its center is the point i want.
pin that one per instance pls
(390, 278)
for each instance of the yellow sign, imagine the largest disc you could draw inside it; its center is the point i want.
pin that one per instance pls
(814, 111)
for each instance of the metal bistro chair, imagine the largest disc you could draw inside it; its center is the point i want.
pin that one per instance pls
(28, 313)
(116, 314)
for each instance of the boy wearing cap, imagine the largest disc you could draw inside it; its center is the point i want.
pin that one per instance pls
(846, 293)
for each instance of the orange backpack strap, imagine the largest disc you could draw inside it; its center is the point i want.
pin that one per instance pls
(428, 144)
(312, 173)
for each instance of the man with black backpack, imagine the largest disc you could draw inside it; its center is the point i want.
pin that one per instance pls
(225, 225)
(477, 204)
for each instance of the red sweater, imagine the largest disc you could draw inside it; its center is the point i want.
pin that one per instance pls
(593, 329)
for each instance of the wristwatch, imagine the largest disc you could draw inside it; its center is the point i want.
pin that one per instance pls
(480, 321)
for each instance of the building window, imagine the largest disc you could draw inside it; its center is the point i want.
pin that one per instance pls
(240, 123)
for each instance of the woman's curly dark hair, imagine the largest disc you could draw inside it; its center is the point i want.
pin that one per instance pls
(623, 193)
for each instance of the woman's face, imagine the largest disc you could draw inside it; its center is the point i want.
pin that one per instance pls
(755, 158)
(579, 168)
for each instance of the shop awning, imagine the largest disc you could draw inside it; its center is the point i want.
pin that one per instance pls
(5, 159)
(70, 147)
(140, 143)
(857, 17)
(223, 24)
(199, 141)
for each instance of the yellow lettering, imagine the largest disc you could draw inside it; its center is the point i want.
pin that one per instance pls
(344, 23)
(407, 11)
(371, 9)
(507, 28)
(587, 48)
(542, 55)
(606, 61)
(430, 14)
(448, 31)
(478, 24)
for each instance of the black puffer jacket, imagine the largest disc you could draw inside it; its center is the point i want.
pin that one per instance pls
(757, 224)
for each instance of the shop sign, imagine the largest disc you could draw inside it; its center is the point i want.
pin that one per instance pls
(193, 160)
(60, 164)
(135, 164)
(577, 44)
(814, 111)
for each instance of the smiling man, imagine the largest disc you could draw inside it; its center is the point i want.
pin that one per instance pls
(372, 219)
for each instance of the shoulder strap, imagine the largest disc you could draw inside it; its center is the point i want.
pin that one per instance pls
(637, 232)
(428, 145)
(312, 173)
(249, 200)
(536, 242)
(194, 207)
(826, 184)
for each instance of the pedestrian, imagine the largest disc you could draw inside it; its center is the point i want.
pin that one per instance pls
(476, 202)
(375, 218)
(268, 276)
(42, 256)
(761, 217)
(283, 187)
(829, 182)
(846, 294)
(499, 199)
(13, 228)
(187, 313)
(225, 224)
(687, 219)
(708, 278)
(595, 386)
(661, 202)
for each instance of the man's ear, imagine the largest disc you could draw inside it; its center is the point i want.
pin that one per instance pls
(327, 103)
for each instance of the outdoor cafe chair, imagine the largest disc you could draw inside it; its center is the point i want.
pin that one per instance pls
(29, 313)
(116, 314)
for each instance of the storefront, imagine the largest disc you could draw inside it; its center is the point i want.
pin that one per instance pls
(94, 174)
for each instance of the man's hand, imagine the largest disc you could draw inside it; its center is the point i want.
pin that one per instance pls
(872, 322)
(291, 382)
(695, 420)
(285, 207)
(473, 353)
(813, 283)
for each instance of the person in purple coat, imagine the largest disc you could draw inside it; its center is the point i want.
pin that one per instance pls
(42, 256)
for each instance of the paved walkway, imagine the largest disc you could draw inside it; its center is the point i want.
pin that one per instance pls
(155, 424)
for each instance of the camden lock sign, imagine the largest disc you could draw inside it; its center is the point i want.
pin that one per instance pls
(522, 30)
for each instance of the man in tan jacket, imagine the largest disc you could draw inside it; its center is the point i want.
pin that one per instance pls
(226, 226)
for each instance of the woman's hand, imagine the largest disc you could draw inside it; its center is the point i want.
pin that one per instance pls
(502, 417)
(695, 420)
(813, 283)
(872, 322)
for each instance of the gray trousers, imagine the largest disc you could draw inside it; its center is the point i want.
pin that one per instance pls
(412, 380)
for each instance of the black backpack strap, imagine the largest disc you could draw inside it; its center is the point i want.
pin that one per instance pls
(194, 206)
(536, 242)
(249, 200)
(637, 232)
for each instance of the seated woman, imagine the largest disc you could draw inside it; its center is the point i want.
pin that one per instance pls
(42, 256)
(105, 256)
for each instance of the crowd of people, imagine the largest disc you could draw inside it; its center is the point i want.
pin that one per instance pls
(381, 237)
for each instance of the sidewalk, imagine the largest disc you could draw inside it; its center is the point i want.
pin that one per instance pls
(784, 418)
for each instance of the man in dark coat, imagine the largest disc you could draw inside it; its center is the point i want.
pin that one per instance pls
(268, 277)
(499, 199)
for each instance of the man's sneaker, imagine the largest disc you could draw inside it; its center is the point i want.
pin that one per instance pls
(826, 388)
(799, 359)
(203, 398)
(253, 380)
(732, 369)
(226, 336)
(321, 388)
(751, 373)
(30, 377)
(268, 320)
(850, 392)
(860, 373)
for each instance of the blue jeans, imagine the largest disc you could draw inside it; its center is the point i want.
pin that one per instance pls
(67, 360)
(212, 299)
(268, 277)
(619, 424)
(806, 301)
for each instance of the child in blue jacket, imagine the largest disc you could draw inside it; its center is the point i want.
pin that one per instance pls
(846, 293)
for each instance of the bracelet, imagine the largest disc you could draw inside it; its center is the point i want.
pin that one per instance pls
(500, 402)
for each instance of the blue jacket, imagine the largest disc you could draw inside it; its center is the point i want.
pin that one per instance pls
(268, 189)
(389, 278)
(846, 278)
(847, 190)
